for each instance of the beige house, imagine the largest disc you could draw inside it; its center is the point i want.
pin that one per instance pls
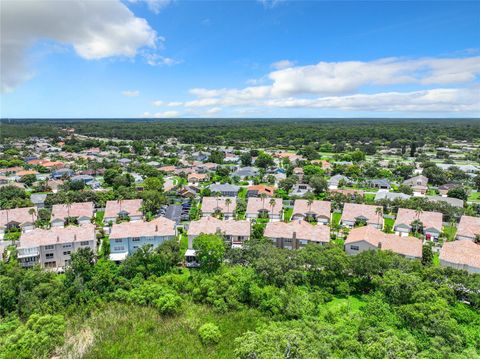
(127, 237)
(366, 238)
(234, 232)
(23, 218)
(354, 213)
(461, 255)
(468, 228)
(219, 205)
(51, 248)
(82, 212)
(197, 177)
(318, 210)
(122, 208)
(431, 222)
(296, 234)
(262, 207)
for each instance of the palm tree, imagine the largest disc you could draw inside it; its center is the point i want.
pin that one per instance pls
(272, 204)
(228, 202)
(378, 212)
(263, 196)
(31, 212)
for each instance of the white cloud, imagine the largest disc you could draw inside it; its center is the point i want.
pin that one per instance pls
(95, 30)
(129, 93)
(158, 60)
(213, 110)
(282, 64)
(175, 104)
(157, 5)
(158, 103)
(167, 114)
(268, 4)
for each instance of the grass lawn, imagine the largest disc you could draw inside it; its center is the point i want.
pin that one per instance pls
(127, 331)
(99, 218)
(474, 197)
(369, 198)
(389, 222)
(353, 303)
(287, 215)
(336, 218)
(450, 232)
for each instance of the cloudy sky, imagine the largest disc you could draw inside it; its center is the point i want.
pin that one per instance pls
(167, 58)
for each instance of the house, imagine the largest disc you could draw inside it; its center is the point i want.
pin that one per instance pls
(418, 185)
(188, 191)
(335, 181)
(455, 202)
(82, 212)
(52, 248)
(131, 208)
(167, 169)
(262, 207)
(468, 228)
(62, 173)
(298, 171)
(431, 223)
(296, 234)
(86, 179)
(235, 233)
(379, 183)
(326, 166)
(463, 168)
(258, 190)
(390, 196)
(354, 213)
(292, 157)
(54, 185)
(245, 172)
(38, 200)
(127, 237)
(352, 193)
(300, 190)
(197, 177)
(23, 218)
(461, 255)
(317, 210)
(219, 205)
(444, 188)
(366, 238)
(124, 161)
(225, 190)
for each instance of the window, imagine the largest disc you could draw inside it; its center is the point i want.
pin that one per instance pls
(50, 264)
(287, 241)
(84, 243)
(49, 247)
(67, 253)
(354, 248)
(49, 255)
(122, 248)
(118, 241)
(67, 245)
(136, 239)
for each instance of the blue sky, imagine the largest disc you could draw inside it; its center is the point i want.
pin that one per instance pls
(161, 58)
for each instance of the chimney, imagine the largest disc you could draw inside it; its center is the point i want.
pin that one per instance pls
(74, 237)
(58, 238)
(156, 228)
(379, 245)
(294, 236)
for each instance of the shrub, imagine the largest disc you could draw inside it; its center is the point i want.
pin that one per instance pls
(169, 303)
(209, 334)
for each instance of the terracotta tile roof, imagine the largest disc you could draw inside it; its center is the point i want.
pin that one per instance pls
(461, 252)
(131, 206)
(469, 226)
(268, 190)
(407, 246)
(211, 225)
(158, 227)
(26, 172)
(256, 204)
(197, 176)
(319, 208)
(301, 229)
(209, 204)
(348, 192)
(19, 215)
(351, 211)
(75, 209)
(429, 219)
(43, 237)
(167, 168)
(368, 234)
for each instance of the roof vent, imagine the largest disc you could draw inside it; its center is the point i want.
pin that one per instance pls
(156, 228)
(58, 238)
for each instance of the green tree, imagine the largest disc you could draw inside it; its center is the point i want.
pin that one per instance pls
(210, 250)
